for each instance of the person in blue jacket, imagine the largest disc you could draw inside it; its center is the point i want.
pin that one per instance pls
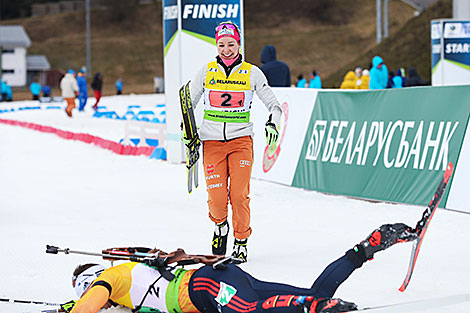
(397, 80)
(35, 89)
(277, 72)
(3, 90)
(119, 84)
(8, 93)
(315, 80)
(46, 91)
(82, 90)
(301, 81)
(378, 74)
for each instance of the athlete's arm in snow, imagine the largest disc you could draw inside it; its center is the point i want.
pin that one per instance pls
(196, 87)
(92, 301)
(265, 93)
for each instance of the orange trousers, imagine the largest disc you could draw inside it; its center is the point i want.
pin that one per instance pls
(70, 106)
(227, 168)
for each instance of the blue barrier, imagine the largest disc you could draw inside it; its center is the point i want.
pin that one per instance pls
(106, 114)
(133, 112)
(136, 141)
(144, 116)
(159, 153)
(29, 108)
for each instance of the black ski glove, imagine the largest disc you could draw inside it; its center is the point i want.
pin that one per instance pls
(271, 132)
(68, 306)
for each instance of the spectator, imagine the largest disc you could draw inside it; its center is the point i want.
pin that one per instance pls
(97, 86)
(358, 73)
(378, 74)
(397, 80)
(414, 79)
(277, 72)
(69, 87)
(301, 81)
(315, 80)
(364, 84)
(119, 85)
(3, 90)
(8, 93)
(391, 74)
(82, 90)
(35, 89)
(402, 74)
(349, 81)
(46, 91)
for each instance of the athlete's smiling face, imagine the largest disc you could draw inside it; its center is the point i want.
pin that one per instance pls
(228, 48)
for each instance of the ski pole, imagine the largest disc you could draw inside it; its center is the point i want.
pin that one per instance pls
(29, 302)
(55, 310)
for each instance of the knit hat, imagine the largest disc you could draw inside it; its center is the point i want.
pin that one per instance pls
(227, 29)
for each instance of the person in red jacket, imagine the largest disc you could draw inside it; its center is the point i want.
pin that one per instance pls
(97, 86)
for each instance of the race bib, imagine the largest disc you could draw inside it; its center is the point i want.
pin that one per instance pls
(226, 99)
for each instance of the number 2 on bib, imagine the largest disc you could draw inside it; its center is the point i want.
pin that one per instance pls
(226, 99)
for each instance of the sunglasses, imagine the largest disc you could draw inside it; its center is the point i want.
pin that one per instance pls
(227, 26)
(74, 278)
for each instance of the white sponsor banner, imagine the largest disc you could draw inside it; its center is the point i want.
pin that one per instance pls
(280, 164)
(457, 30)
(458, 193)
(436, 31)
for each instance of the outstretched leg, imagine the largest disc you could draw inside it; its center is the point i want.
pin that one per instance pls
(380, 239)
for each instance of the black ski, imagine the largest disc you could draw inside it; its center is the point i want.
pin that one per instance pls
(417, 306)
(423, 224)
(190, 134)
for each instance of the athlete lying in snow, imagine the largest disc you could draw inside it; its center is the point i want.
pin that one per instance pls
(229, 289)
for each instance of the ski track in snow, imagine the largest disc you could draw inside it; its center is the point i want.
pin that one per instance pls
(76, 195)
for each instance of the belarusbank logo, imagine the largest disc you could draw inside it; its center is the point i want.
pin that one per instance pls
(212, 82)
(417, 145)
(210, 11)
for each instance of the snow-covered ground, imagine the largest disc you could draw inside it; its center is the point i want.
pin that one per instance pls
(76, 195)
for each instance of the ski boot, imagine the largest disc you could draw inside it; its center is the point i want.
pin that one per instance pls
(309, 304)
(219, 241)
(380, 239)
(240, 253)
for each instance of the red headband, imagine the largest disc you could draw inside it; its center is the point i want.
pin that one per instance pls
(227, 30)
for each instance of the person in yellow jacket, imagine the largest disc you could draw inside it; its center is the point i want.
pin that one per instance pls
(222, 287)
(227, 86)
(349, 81)
(364, 80)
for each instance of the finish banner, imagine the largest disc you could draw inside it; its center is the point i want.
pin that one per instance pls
(390, 145)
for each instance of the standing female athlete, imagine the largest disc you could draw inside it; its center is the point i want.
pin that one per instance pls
(228, 85)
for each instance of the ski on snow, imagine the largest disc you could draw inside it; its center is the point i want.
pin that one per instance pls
(423, 224)
(191, 135)
(417, 306)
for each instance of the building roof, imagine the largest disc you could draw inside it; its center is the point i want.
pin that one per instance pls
(37, 62)
(14, 36)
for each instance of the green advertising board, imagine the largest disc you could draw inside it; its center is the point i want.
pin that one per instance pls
(389, 145)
